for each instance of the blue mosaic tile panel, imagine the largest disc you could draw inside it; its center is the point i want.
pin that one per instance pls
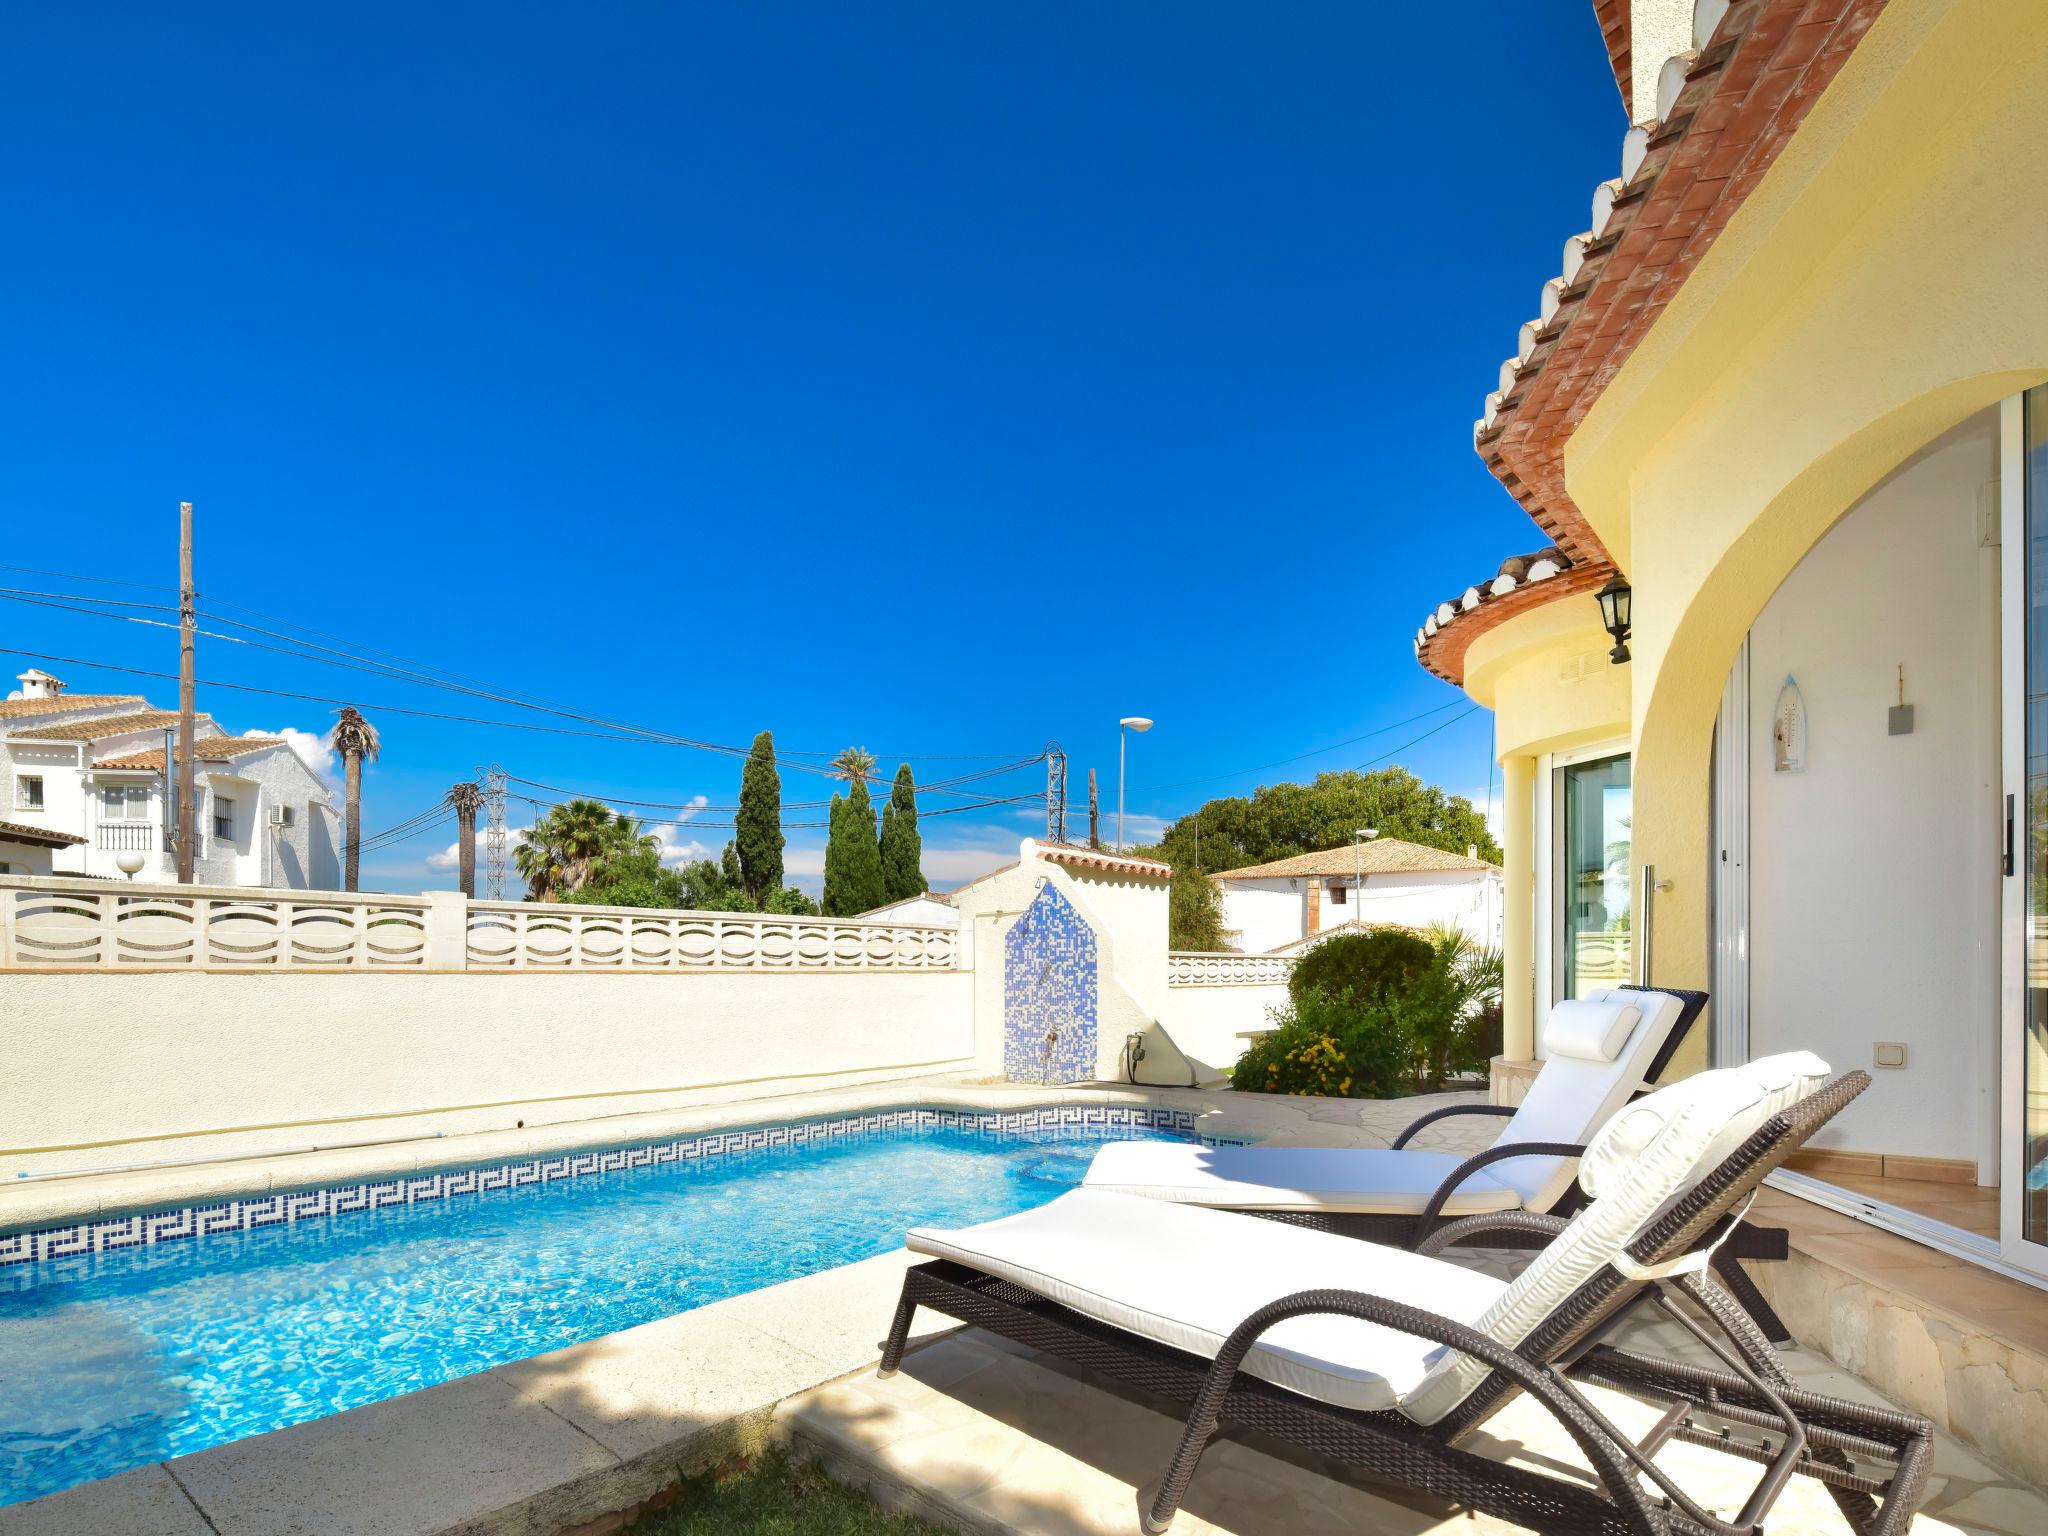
(1049, 991)
(147, 1229)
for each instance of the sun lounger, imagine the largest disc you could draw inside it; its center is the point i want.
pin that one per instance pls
(1387, 1359)
(1599, 1052)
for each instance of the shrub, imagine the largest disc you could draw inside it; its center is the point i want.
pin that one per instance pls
(1362, 965)
(1331, 1046)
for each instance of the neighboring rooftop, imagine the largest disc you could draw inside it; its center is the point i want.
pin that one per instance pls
(39, 837)
(105, 725)
(212, 749)
(1382, 856)
(17, 709)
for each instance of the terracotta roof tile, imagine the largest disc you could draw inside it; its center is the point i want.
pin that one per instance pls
(1741, 98)
(42, 837)
(1116, 863)
(17, 709)
(103, 726)
(1382, 856)
(212, 749)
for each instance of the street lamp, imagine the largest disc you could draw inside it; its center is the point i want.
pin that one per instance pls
(1141, 725)
(1358, 842)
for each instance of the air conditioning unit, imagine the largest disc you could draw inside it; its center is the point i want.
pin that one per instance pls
(283, 816)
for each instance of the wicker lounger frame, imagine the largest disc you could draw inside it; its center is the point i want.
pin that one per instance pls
(1874, 1462)
(1404, 1231)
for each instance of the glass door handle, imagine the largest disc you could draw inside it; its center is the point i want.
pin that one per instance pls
(2008, 836)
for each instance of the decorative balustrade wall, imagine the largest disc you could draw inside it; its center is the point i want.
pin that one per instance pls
(535, 936)
(1210, 968)
(91, 924)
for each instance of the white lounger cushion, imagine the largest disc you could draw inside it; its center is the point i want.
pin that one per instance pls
(1186, 1277)
(1369, 1180)
(1570, 1099)
(1665, 1145)
(1590, 1028)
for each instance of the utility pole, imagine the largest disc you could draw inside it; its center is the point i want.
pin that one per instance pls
(1094, 814)
(188, 807)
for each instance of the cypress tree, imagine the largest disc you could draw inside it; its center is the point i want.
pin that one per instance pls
(832, 904)
(902, 847)
(758, 827)
(863, 857)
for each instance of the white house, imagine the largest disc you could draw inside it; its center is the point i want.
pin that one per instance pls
(1380, 883)
(82, 789)
(930, 907)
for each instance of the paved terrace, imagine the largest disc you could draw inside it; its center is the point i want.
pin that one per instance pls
(972, 1433)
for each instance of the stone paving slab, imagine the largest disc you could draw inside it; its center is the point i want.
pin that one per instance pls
(144, 1502)
(981, 1436)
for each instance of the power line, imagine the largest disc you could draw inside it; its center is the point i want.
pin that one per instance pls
(300, 650)
(316, 698)
(104, 581)
(1212, 778)
(1374, 762)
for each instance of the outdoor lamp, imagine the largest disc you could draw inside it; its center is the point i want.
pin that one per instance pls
(1614, 616)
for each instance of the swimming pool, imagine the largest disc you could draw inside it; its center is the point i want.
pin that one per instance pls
(117, 1358)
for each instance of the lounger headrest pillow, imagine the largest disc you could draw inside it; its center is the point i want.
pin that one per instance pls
(1589, 1029)
(1714, 1112)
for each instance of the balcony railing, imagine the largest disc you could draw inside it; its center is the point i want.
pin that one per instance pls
(128, 837)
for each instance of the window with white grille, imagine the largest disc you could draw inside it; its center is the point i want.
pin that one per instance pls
(28, 792)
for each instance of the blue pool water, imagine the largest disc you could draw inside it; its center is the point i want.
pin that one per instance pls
(114, 1360)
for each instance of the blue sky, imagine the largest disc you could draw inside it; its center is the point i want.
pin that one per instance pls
(947, 378)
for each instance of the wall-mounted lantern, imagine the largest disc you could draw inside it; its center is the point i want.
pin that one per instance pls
(1614, 616)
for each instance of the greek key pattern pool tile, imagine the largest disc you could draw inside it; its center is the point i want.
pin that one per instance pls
(150, 1228)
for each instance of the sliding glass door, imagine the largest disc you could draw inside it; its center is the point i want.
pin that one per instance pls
(1595, 800)
(2023, 494)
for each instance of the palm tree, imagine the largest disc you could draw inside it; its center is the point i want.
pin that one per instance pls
(356, 740)
(539, 864)
(1468, 978)
(855, 763)
(564, 846)
(467, 799)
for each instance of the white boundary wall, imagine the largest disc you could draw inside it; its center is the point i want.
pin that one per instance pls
(141, 1023)
(114, 1068)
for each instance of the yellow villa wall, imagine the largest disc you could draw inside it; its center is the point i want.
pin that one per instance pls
(1547, 677)
(1882, 283)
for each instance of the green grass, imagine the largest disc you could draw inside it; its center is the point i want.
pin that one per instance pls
(770, 1495)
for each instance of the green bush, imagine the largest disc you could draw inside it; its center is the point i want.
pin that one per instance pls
(1378, 1015)
(1333, 1047)
(1362, 965)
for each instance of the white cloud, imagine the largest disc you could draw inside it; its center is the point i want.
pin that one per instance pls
(311, 747)
(956, 866)
(1491, 811)
(674, 849)
(451, 856)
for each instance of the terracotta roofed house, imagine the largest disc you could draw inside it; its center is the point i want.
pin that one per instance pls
(82, 789)
(1382, 883)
